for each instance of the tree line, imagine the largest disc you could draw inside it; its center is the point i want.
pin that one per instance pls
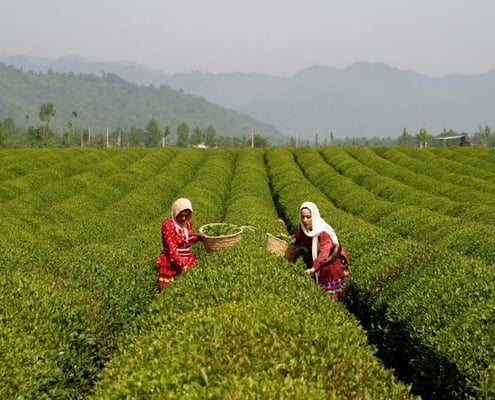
(422, 138)
(14, 135)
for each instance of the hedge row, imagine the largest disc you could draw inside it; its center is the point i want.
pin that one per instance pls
(417, 293)
(244, 323)
(80, 298)
(470, 238)
(72, 283)
(482, 158)
(445, 171)
(400, 185)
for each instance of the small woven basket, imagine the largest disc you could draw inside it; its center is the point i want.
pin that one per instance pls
(215, 243)
(281, 248)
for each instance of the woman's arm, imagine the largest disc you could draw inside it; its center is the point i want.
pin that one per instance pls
(170, 241)
(325, 246)
(193, 237)
(334, 253)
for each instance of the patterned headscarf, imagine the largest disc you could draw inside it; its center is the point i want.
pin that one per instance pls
(319, 225)
(179, 206)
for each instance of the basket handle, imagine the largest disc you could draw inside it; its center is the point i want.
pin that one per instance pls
(249, 227)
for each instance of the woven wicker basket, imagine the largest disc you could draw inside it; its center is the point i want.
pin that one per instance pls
(215, 243)
(281, 248)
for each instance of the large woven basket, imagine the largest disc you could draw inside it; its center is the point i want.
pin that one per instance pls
(281, 247)
(215, 243)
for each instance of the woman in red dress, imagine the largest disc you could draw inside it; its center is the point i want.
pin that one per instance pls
(326, 259)
(177, 239)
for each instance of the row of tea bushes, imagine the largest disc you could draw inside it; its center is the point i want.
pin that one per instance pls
(458, 174)
(471, 238)
(211, 186)
(233, 330)
(244, 323)
(481, 158)
(416, 299)
(71, 292)
(352, 232)
(68, 293)
(20, 162)
(26, 169)
(250, 200)
(402, 186)
(453, 168)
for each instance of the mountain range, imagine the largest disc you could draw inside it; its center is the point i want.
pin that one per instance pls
(361, 100)
(98, 103)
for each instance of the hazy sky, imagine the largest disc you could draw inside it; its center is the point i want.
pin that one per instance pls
(277, 37)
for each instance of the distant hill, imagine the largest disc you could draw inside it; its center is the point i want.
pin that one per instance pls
(107, 101)
(362, 100)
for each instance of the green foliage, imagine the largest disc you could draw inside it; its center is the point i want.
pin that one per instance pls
(265, 337)
(109, 102)
(81, 318)
(286, 238)
(152, 137)
(419, 278)
(220, 229)
(182, 135)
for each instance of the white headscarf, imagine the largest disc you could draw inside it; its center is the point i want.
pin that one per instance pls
(319, 225)
(179, 206)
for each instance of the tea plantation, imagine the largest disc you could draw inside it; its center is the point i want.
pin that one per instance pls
(81, 317)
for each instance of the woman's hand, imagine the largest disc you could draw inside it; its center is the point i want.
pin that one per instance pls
(309, 271)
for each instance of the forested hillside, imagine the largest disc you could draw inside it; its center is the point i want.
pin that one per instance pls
(111, 102)
(361, 100)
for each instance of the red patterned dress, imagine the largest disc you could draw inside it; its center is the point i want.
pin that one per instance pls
(176, 255)
(332, 275)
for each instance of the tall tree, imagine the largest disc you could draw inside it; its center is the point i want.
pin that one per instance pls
(73, 125)
(47, 112)
(404, 138)
(152, 135)
(36, 135)
(166, 133)
(135, 137)
(182, 135)
(196, 137)
(422, 137)
(486, 134)
(210, 134)
(260, 141)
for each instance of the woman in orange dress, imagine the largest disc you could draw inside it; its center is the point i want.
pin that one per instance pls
(177, 239)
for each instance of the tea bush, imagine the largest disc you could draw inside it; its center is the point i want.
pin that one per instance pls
(245, 323)
(81, 317)
(423, 279)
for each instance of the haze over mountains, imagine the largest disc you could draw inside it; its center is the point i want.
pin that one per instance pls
(362, 100)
